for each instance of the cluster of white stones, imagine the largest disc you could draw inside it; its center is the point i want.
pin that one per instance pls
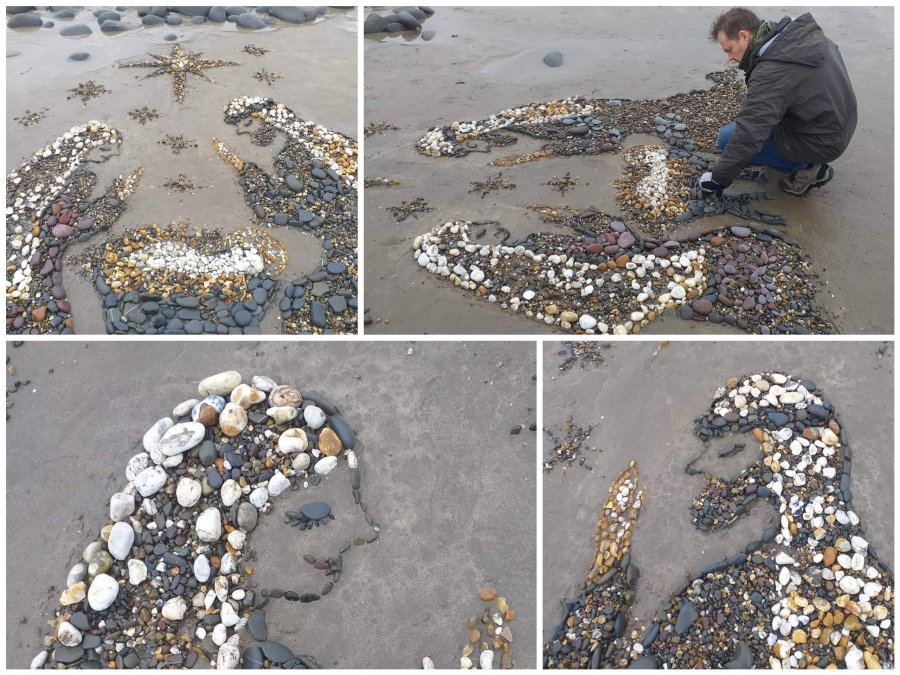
(33, 187)
(653, 186)
(649, 286)
(179, 257)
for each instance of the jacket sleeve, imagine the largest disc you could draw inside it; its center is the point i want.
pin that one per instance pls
(767, 100)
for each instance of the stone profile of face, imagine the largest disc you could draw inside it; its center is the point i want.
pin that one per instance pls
(169, 580)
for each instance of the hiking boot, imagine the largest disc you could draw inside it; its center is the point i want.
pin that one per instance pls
(800, 182)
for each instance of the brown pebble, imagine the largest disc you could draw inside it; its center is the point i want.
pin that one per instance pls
(488, 594)
(474, 636)
(829, 555)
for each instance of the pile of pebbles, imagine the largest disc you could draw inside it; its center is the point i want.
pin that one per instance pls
(47, 209)
(568, 449)
(588, 126)
(111, 22)
(594, 621)
(401, 20)
(313, 187)
(610, 280)
(173, 281)
(166, 583)
(811, 591)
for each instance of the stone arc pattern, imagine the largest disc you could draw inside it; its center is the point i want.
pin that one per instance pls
(166, 583)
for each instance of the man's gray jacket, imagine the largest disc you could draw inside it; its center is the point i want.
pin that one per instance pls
(799, 94)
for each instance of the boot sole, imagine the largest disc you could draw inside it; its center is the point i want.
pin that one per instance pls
(815, 184)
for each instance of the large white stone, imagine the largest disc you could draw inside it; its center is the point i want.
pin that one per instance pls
(220, 384)
(228, 657)
(293, 440)
(792, 397)
(185, 407)
(219, 634)
(188, 491)
(850, 585)
(352, 461)
(136, 464)
(486, 660)
(121, 539)
(103, 592)
(233, 419)
(237, 538)
(229, 616)
(278, 484)
(263, 383)
(587, 322)
(67, 634)
(314, 416)
(121, 505)
(228, 565)
(230, 492)
(220, 588)
(246, 396)
(209, 525)
(325, 465)
(202, 568)
(854, 658)
(181, 437)
(259, 497)
(153, 435)
(137, 571)
(149, 481)
(174, 609)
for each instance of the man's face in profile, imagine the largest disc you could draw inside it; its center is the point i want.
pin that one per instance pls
(735, 48)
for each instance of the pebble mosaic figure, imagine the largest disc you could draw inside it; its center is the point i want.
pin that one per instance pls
(612, 278)
(811, 591)
(167, 582)
(800, 110)
(169, 279)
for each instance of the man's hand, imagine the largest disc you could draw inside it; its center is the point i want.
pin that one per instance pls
(709, 187)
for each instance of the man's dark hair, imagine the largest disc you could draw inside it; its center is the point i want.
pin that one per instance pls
(732, 22)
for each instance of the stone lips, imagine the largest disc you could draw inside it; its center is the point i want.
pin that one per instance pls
(810, 592)
(174, 551)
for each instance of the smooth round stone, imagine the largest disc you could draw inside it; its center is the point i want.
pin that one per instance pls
(174, 609)
(220, 383)
(278, 483)
(79, 56)
(329, 443)
(229, 616)
(181, 438)
(343, 430)
(325, 465)
(314, 416)
(220, 634)
(282, 414)
(233, 419)
(155, 433)
(285, 395)
(230, 492)
(76, 574)
(301, 462)
(553, 59)
(121, 505)
(207, 411)
(587, 322)
(137, 571)
(257, 626)
(292, 440)
(76, 30)
(188, 492)
(95, 547)
(209, 525)
(246, 396)
(263, 383)
(184, 408)
(121, 539)
(103, 592)
(247, 517)
(74, 594)
(202, 568)
(149, 481)
(276, 652)
(68, 635)
(740, 231)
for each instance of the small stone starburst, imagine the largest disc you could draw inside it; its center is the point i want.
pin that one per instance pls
(179, 64)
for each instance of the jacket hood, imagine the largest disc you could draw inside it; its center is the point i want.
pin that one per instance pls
(801, 41)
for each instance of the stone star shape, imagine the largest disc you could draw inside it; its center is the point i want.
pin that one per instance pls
(179, 64)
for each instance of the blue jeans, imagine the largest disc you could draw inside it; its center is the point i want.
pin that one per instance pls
(767, 156)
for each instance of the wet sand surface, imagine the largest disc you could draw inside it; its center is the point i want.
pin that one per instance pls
(484, 60)
(318, 68)
(456, 500)
(642, 407)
